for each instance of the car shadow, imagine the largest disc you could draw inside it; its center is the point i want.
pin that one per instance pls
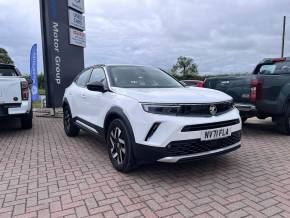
(9, 125)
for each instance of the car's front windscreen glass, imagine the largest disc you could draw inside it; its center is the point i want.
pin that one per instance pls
(8, 72)
(277, 68)
(140, 77)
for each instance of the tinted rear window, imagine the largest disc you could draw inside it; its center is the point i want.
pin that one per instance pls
(277, 68)
(7, 72)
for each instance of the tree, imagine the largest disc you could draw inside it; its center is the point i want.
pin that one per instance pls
(4, 57)
(185, 66)
(40, 80)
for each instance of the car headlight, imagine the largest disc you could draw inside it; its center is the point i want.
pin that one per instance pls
(166, 109)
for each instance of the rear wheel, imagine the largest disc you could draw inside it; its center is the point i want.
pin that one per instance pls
(119, 142)
(70, 128)
(283, 122)
(26, 121)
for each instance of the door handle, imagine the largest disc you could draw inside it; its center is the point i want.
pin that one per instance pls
(83, 95)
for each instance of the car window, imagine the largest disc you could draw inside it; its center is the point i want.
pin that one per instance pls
(140, 77)
(98, 75)
(267, 69)
(83, 78)
(277, 68)
(8, 72)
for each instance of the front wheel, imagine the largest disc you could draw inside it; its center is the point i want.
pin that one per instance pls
(70, 128)
(119, 142)
(283, 122)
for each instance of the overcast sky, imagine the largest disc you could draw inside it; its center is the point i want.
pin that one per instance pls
(220, 35)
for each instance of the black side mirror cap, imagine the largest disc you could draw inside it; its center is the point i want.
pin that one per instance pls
(96, 87)
(29, 80)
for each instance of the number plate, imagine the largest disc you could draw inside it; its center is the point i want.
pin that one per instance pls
(212, 134)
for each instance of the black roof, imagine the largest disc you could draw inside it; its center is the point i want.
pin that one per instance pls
(7, 65)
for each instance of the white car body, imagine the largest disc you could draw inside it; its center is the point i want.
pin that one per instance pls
(90, 110)
(11, 101)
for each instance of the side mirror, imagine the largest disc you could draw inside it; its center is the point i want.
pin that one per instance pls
(29, 80)
(96, 86)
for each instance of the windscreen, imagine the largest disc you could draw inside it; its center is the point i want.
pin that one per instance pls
(8, 72)
(140, 77)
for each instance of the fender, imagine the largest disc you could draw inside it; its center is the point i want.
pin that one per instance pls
(66, 102)
(116, 112)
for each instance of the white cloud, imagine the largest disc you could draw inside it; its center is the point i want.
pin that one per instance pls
(221, 35)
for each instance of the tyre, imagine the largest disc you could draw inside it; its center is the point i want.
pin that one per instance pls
(244, 119)
(70, 128)
(119, 143)
(283, 122)
(26, 121)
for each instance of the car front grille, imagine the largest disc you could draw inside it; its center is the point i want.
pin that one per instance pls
(205, 126)
(204, 109)
(187, 147)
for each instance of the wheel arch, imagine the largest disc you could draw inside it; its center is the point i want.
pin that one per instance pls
(117, 113)
(284, 99)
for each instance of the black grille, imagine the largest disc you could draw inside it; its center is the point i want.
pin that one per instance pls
(186, 147)
(210, 125)
(203, 109)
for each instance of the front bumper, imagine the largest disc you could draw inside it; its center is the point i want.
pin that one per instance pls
(205, 154)
(171, 128)
(246, 110)
(186, 150)
(246, 107)
(178, 138)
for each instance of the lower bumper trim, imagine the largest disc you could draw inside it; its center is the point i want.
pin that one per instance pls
(245, 107)
(175, 159)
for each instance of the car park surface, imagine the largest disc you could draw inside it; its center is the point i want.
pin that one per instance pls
(46, 174)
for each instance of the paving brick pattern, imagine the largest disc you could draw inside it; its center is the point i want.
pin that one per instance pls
(43, 173)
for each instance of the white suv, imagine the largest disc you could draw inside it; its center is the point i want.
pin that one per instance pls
(145, 115)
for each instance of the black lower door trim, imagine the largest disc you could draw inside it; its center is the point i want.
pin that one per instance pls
(89, 127)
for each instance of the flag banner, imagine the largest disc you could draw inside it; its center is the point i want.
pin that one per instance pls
(33, 72)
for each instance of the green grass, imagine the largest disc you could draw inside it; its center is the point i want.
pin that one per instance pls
(36, 104)
(41, 91)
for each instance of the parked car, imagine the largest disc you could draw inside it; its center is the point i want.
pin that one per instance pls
(265, 93)
(145, 115)
(194, 83)
(15, 97)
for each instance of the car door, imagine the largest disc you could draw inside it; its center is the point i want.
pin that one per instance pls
(78, 94)
(97, 102)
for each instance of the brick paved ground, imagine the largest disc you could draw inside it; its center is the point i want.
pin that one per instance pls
(46, 174)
